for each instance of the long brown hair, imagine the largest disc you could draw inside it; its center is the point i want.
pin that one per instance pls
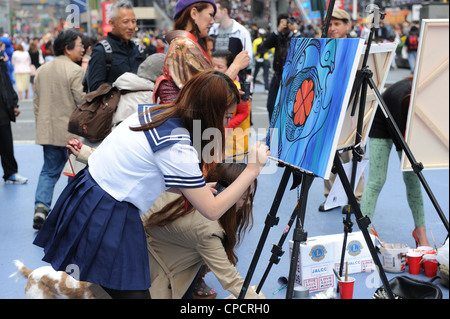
(206, 97)
(182, 20)
(234, 222)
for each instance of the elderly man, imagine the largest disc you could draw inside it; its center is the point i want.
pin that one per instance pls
(126, 55)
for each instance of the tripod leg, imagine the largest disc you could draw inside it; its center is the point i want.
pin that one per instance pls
(363, 223)
(299, 234)
(417, 167)
(271, 220)
(355, 159)
(277, 250)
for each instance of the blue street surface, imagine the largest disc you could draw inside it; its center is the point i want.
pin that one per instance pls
(393, 219)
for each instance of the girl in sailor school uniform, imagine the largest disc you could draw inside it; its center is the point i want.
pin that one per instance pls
(96, 225)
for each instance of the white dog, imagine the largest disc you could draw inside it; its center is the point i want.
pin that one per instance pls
(46, 283)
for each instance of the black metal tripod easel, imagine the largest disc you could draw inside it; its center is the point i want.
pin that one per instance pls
(362, 82)
(298, 215)
(271, 219)
(364, 79)
(359, 93)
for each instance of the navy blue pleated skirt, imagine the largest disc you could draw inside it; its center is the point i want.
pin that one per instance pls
(96, 238)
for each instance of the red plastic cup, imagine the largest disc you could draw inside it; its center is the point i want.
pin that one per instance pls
(346, 288)
(414, 259)
(430, 265)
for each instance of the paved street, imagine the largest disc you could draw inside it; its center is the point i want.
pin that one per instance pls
(392, 216)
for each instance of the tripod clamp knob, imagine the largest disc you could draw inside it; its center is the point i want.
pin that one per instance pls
(417, 167)
(299, 235)
(277, 252)
(358, 152)
(366, 72)
(271, 220)
(348, 224)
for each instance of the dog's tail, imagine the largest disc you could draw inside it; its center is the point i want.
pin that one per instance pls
(21, 269)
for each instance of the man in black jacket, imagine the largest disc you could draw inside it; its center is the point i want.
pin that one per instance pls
(279, 39)
(126, 55)
(9, 109)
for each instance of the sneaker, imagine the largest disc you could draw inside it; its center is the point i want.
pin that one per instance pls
(16, 179)
(40, 215)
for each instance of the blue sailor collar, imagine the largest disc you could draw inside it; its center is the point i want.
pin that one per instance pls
(167, 134)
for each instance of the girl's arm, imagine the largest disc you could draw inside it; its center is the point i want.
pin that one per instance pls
(214, 207)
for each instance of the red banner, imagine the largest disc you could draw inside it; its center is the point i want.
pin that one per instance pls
(106, 7)
(338, 4)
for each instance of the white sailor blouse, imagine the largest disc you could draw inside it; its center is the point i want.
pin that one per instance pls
(137, 166)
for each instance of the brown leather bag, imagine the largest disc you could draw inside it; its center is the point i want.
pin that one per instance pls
(93, 118)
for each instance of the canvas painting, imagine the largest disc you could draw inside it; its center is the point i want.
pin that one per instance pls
(379, 63)
(312, 99)
(427, 127)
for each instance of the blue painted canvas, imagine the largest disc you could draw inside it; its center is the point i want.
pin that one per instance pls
(313, 96)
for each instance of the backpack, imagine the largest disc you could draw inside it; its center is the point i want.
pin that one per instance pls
(108, 61)
(413, 42)
(93, 118)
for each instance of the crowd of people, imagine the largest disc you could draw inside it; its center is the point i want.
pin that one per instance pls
(108, 219)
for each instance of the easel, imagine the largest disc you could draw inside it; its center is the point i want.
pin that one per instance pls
(363, 80)
(300, 235)
(359, 91)
(271, 219)
(298, 214)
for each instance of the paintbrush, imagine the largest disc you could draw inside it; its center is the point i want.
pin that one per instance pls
(432, 237)
(375, 233)
(236, 155)
(346, 271)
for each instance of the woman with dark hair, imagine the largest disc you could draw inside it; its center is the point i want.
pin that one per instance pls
(58, 90)
(187, 54)
(180, 241)
(95, 224)
(66, 40)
